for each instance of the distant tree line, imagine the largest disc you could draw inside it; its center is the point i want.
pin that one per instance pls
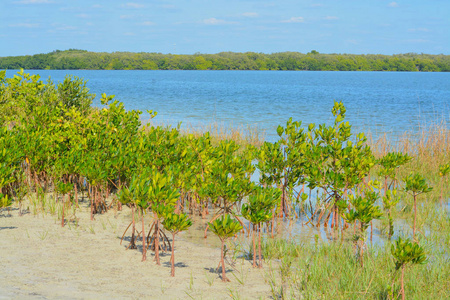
(73, 59)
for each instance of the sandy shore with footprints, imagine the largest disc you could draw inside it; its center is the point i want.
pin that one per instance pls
(42, 260)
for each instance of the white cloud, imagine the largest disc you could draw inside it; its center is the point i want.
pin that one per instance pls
(83, 16)
(250, 14)
(126, 16)
(133, 5)
(317, 5)
(25, 25)
(63, 27)
(129, 33)
(147, 23)
(294, 20)
(96, 6)
(417, 41)
(418, 30)
(331, 18)
(67, 27)
(214, 21)
(32, 1)
(393, 4)
(168, 6)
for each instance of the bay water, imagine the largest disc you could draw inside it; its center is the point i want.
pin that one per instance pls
(379, 102)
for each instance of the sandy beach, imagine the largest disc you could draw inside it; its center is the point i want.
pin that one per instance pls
(42, 260)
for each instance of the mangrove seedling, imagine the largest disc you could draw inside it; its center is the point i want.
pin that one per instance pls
(444, 170)
(175, 223)
(416, 185)
(163, 196)
(125, 197)
(224, 227)
(337, 161)
(4, 201)
(389, 166)
(258, 210)
(282, 163)
(364, 211)
(63, 189)
(138, 192)
(229, 179)
(390, 200)
(406, 252)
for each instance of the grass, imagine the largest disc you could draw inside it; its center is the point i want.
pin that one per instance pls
(429, 148)
(330, 270)
(242, 135)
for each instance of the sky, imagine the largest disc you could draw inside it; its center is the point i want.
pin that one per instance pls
(211, 26)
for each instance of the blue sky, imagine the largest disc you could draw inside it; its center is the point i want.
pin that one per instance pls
(190, 26)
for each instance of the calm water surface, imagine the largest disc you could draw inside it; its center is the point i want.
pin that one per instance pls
(379, 102)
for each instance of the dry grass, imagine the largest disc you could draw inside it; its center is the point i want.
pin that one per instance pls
(429, 148)
(242, 135)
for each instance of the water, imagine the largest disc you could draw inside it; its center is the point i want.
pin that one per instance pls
(379, 102)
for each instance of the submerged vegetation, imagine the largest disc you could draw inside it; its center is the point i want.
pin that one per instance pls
(59, 153)
(81, 59)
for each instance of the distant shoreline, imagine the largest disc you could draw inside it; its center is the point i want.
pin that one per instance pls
(283, 61)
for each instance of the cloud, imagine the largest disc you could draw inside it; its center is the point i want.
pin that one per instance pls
(418, 30)
(62, 27)
(250, 14)
(331, 18)
(83, 16)
(67, 27)
(126, 16)
(96, 6)
(317, 5)
(294, 20)
(147, 23)
(133, 5)
(32, 1)
(214, 21)
(417, 41)
(129, 33)
(25, 25)
(393, 4)
(168, 6)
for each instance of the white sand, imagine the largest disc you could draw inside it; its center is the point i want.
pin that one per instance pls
(42, 260)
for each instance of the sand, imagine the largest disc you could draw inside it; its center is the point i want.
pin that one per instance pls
(42, 260)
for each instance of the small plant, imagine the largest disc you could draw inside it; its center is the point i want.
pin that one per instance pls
(364, 211)
(63, 189)
(406, 252)
(416, 185)
(224, 228)
(444, 170)
(4, 201)
(175, 223)
(389, 166)
(390, 200)
(259, 209)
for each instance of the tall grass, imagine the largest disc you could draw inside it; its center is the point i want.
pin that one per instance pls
(331, 271)
(429, 148)
(242, 134)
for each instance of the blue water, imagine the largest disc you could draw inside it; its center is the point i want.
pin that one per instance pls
(379, 102)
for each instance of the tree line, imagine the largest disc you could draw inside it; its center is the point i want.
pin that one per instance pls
(74, 59)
